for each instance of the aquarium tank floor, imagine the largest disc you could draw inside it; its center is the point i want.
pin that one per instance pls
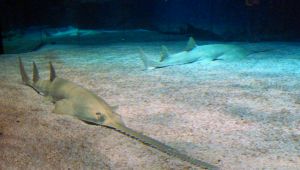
(234, 114)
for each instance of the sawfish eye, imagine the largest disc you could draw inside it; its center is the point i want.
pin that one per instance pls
(100, 116)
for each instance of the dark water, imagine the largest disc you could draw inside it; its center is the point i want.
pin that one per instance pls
(240, 20)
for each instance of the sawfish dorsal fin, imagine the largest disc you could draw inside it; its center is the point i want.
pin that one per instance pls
(52, 72)
(35, 76)
(191, 44)
(164, 53)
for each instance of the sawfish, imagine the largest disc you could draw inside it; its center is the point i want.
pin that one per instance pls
(74, 100)
(193, 53)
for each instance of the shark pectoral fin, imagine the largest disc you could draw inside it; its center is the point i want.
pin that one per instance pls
(164, 53)
(64, 106)
(191, 44)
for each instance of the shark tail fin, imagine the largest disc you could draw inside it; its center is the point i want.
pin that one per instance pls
(190, 44)
(52, 72)
(144, 58)
(164, 53)
(149, 64)
(23, 73)
(25, 77)
(35, 76)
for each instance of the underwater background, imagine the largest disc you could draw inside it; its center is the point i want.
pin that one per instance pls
(229, 20)
(232, 99)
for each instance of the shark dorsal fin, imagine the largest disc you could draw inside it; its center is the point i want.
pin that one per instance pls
(190, 44)
(35, 76)
(52, 72)
(164, 53)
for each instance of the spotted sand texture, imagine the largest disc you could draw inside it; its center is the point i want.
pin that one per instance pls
(236, 115)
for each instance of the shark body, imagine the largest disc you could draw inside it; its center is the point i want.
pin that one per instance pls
(72, 99)
(193, 53)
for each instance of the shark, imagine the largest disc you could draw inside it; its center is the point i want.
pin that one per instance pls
(74, 100)
(193, 53)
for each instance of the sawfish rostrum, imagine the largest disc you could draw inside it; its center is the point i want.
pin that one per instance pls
(72, 99)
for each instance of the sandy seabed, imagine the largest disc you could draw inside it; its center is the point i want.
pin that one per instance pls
(234, 114)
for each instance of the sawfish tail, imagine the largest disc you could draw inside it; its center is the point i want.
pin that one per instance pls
(163, 147)
(23, 73)
(25, 77)
(149, 64)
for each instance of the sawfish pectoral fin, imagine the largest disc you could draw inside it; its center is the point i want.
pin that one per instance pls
(64, 106)
(114, 108)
